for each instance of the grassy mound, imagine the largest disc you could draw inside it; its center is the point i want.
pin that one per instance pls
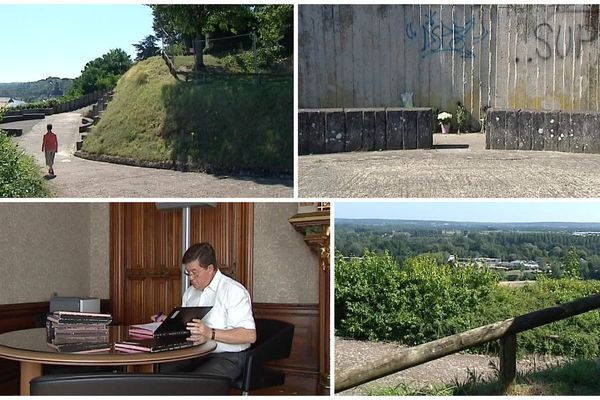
(224, 124)
(20, 176)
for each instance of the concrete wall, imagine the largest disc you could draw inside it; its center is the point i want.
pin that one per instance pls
(52, 247)
(285, 269)
(541, 57)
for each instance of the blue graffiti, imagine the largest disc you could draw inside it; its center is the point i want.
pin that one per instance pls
(439, 37)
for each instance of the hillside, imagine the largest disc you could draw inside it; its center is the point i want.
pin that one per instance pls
(225, 124)
(38, 90)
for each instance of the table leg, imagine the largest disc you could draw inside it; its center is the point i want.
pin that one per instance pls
(29, 370)
(141, 369)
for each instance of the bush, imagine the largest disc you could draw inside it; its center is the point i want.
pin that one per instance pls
(422, 301)
(20, 176)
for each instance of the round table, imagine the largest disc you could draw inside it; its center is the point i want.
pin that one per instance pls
(29, 347)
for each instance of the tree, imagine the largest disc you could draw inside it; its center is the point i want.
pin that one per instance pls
(101, 73)
(275, 22)
(189, 22)
(571, 264)
(146, 48)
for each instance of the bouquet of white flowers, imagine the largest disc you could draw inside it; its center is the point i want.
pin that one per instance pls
(444, 118)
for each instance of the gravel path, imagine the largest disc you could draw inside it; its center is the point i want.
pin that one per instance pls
(77, 177)
(455, 367)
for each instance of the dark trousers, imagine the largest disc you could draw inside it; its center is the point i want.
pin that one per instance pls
(220, 364)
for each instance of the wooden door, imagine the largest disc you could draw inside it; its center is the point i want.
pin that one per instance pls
(229, 227)
(145, 259)
(146, 253)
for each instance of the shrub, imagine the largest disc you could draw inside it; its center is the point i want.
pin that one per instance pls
(20, 176)
(422, 301)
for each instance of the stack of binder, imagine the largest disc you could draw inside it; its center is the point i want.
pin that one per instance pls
(78, 332)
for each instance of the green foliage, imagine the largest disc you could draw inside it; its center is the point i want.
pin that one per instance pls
(571, 266)
(146, 48)
(577, 377)
(101, 73)
(461, 118)
(423, 301)
(419, 302)
(20, 176)
(235, 124)
(272, 23)
(543, 247)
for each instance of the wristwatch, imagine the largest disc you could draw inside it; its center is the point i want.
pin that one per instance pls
(213, 334)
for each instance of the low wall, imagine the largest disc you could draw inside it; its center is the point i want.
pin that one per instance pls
(81, 102)
(574, 132)
(21, 117)
(333, 130)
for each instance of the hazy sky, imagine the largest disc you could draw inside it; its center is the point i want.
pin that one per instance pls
(44, 40)
(477, 211)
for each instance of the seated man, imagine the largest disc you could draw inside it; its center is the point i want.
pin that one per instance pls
(230, 322)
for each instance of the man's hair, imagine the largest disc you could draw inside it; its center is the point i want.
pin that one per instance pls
(202, 252)
(49, 127)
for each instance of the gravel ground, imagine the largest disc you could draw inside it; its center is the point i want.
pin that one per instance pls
(455, 367)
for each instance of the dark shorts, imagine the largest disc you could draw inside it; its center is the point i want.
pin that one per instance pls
(50, 158)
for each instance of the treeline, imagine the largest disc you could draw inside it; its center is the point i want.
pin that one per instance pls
(33, 91)
(546, 248)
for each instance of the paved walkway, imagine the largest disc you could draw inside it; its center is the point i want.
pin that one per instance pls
(450, 172)
(84, 178)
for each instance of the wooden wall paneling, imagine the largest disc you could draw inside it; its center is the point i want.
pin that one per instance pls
(228, 227)
(302, 367)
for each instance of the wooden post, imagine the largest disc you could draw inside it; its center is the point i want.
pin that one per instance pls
(508, 361)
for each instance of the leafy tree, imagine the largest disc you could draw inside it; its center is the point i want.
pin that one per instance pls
(146, 48)
(101, 73)
(188, 22)
(571, 264)
(274, 23)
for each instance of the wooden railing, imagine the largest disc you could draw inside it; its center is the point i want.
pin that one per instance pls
(504, 331)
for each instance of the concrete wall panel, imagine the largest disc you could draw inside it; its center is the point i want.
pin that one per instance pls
(535, 57)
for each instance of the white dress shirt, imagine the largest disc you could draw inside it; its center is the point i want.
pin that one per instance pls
(232, 307)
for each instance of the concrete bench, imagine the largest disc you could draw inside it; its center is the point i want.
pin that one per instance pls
(574, 132)
(333, 130)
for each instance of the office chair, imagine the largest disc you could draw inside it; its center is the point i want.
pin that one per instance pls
(129, 384)
(273, 342)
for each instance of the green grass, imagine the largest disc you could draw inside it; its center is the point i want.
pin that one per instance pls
(20, 176)
(227, 123)
(578, 377)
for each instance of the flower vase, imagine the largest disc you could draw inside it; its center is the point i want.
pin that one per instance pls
(445, 128)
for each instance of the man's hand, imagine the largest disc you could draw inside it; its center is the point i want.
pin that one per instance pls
(158, 317)
(200, 332)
